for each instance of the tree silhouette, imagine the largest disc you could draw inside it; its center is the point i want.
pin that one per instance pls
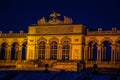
(46, 67)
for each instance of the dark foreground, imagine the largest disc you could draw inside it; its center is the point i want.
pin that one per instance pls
(56, 75)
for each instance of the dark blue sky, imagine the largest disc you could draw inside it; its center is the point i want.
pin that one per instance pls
(17, 15)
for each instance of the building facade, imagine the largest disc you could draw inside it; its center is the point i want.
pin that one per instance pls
(61, 44)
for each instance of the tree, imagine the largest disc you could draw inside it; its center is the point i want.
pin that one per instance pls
(46, 67)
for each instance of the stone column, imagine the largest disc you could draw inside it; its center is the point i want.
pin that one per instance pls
(113, 53)
(98, 53)
(59, 55)
(91, 54)
(20, 53)
(8, 52)
(116, 53)
(102, 52)
(86, 53)
(47, 52)
(16, 52)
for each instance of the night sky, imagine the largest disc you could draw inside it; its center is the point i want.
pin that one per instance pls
(17, 15)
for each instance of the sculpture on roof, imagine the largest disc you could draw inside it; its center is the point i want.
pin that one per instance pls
(42, 21)
(67, 20)
(54, 15)
(54, 19)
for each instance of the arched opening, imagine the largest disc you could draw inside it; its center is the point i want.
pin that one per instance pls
(92, 51)
(3, 52)
(24, 47)
(65, 50)
(14, 51)
(53, 50)
(117, 54)
(41, 50)
(106, 51)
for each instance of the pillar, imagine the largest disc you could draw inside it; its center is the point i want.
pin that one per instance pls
(16, 52)
(91, 54)
(89, 51)
(99, 53)
(20, 53)
(59, 55)
(113, 51)
(8, 52)
(102, 52)
(116, 53)
(86, 53)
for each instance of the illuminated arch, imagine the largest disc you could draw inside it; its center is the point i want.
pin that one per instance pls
(4, 41)
(65, 39)
(24, 41)
(24, 50)
(117, 40)
(15, 41)
(107, 39)
(92, 40)
(41, 39)
(14, 50)
(54, 39)
(92, 44)
(106, 49)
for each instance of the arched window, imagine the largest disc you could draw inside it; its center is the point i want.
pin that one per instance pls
(106, 51)
(41, 50)
(53, 50)
(14, 51)
(92, 51)
(65, 50)
(24, 46)
(3, 51)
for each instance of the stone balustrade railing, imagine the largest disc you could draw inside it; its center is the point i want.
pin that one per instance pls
(13, 34)
(90, 33)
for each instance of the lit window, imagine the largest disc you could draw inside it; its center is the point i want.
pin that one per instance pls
(65, 50)
(53, 50)
(41, 50)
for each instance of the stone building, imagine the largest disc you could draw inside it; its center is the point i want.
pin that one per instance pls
(61, 44)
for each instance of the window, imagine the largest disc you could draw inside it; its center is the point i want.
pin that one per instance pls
(41, 50)
(65, 50)
(53, 50)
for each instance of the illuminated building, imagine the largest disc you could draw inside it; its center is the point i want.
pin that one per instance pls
(61, 44)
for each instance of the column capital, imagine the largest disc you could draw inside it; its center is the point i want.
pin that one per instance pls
(113, 45)
(9, 47)
(99, 46)
(20, 46)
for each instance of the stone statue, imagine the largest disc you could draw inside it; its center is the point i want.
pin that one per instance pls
(42, 21)
(55, 15)
(54, 19)
(67, 20)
